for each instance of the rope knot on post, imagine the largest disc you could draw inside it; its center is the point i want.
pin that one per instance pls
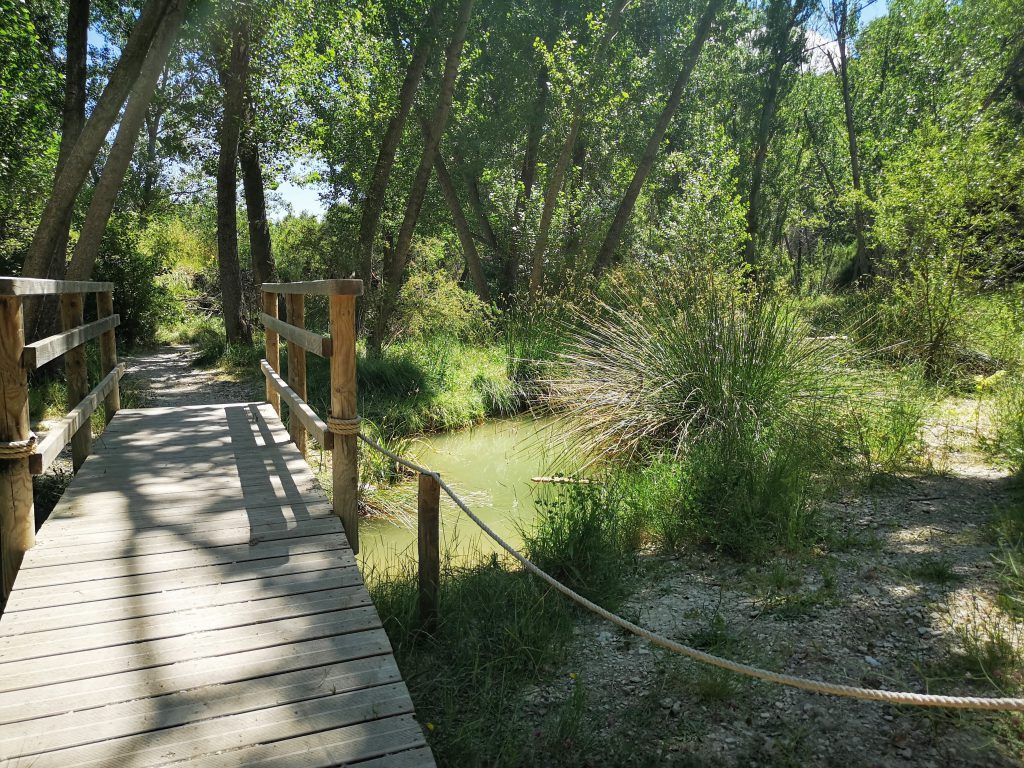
(19, 449)
(345, 427)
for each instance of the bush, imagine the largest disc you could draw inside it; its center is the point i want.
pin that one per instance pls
(886, 423)
(1008, 416)
(735, 388)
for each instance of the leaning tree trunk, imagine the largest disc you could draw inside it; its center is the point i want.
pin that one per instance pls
(80, 158)
(73, 118)
(768, 107)
(399, 257)
(451, 197)
(256, 211)
(83, 260)
(233, 70)
(373, 205)
(565, 154)
(650, 154)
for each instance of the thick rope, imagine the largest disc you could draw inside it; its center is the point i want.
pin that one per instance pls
(792, 681)
(19, 449)
(347, 427)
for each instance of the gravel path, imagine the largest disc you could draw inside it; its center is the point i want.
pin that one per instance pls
(167, 376)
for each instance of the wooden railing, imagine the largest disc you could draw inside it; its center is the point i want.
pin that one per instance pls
(21, 453)
(339, 432)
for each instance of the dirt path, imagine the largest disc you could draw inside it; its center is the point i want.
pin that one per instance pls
(167, 376)
(903, 596)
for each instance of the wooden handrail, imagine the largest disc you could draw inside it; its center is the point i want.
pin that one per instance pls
(346, 287)
(299, 407)
(309, 341)
(17, 516)
(340, 349)
(31, 286)
(39, 353)
(58, 437)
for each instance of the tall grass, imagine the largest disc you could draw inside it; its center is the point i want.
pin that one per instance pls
(733, 388)
(1008, 418)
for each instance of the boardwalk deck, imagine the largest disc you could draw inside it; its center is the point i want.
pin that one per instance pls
(193, 598)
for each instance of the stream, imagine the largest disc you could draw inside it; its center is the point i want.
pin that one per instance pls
(490, 466)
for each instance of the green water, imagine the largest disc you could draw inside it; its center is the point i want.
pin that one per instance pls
(489, 466)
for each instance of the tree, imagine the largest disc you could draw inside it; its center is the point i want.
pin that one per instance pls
(625, 209)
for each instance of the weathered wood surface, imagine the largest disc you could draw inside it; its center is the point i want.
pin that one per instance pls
(347, 287)
(39, 353)
(298, 408)
(29, 286)
(309, 341)
(193, 599)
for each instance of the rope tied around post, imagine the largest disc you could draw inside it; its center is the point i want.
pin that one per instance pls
(19, 449)
(344, 427)
(999, 704)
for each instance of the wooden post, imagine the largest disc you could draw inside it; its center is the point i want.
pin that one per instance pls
(273, 348)
(297, 366)
(108, 353)
(17, 515)
(73, 315)
(428, 503)
(344, 467)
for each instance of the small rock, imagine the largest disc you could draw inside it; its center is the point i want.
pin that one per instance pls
(924, 631)
(666, 703)
(872, 661)
(906, 753)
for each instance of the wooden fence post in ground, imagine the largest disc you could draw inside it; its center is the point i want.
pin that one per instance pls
(108, 353)
(344, 469)
(72, 316)
(17, 516)
(428, 504)
(273, 349)
(296, 308)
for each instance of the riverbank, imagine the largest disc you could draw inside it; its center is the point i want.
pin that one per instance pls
(909, 590)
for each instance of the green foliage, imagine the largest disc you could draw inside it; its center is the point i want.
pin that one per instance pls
(1008, 417)
(886, 419)
(433, 306)
(734, 387)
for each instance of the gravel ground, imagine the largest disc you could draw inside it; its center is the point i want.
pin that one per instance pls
(908, 576)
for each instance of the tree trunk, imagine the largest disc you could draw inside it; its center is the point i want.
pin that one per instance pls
(373, 205)
(105, 195)
(73, 118)
(480, 213)
(527, 177)
(80, 158)
(764, 131)
(554, 183)
(151, 173)
(256, 211)
(438, 122)
(862, 261)
(650, 154)
(451, 197)
(233, 70)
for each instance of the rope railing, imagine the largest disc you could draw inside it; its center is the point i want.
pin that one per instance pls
(1001, 704)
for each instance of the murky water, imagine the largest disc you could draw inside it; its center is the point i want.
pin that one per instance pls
(490, 466)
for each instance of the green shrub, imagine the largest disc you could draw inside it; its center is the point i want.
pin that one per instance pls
(736, 388)
(887, 417)
(1008, 416)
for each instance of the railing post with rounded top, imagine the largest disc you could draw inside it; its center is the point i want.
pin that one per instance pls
(296, 308)
(273, 349)
(72, 312)
(108, 353)
(17, 516)
(344, 465)
(428, 505)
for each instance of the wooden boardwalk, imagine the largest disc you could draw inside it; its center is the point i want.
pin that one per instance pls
(193, 599)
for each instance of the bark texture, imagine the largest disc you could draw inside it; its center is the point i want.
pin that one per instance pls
(260, 248)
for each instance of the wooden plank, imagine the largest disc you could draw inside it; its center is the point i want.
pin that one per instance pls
(21, 647)
(114, 721)
(182, 578)
(151, 654)
(313, 423)
(251, 665)
(272, 345)
(296, 306)
(318, 287)
(309, 341)
(411, 758)
(27, 286)
(60, 434)
(339, 746)
(118, 549)
(39, 353)
(118, 608)
(252, 556)
(202, 739)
